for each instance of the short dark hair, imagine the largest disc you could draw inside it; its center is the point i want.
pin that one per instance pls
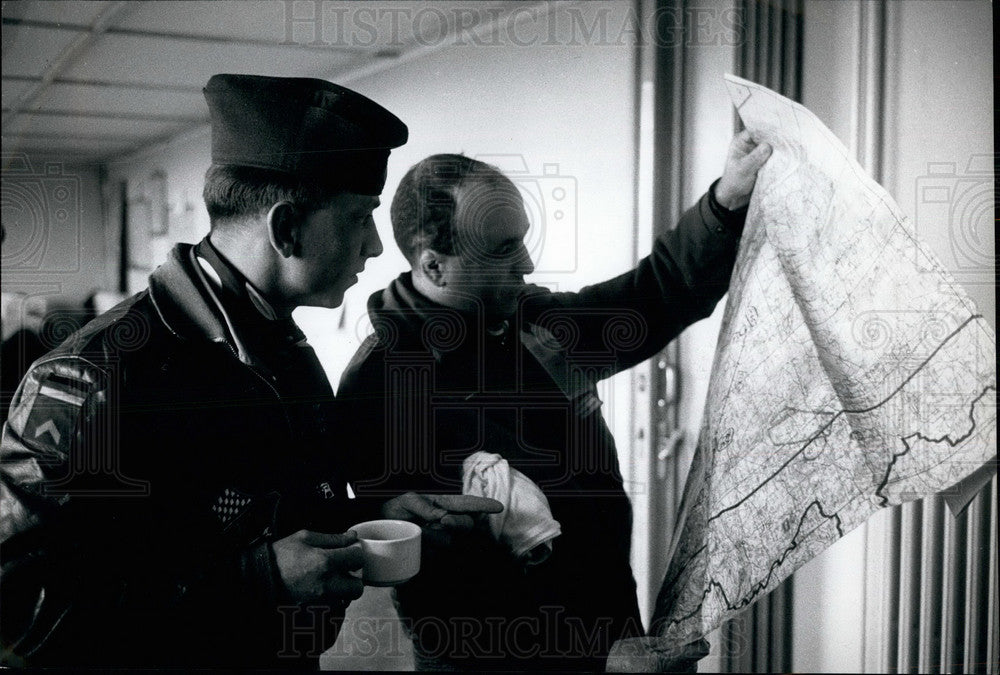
(234, 193)
(423, 208)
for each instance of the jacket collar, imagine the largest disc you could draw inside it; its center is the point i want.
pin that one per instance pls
(406, 318)
(409, 308)
(418, 324)
(189, 305)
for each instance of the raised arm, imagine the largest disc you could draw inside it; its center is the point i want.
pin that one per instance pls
(631, 317)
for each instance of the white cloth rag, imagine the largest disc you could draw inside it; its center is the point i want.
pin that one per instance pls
(525, 525)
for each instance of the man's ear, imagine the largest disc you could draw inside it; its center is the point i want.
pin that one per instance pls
(284, 229)
(432, 266)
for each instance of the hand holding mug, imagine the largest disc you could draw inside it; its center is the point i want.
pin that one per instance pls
(316, 567)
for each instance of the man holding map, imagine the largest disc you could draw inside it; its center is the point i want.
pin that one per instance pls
(467, 359)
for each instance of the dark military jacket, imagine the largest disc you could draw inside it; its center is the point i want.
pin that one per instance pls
(147, 464)
(433, 385)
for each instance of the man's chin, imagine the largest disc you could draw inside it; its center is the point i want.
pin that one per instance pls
(330, 301)
(335, 298)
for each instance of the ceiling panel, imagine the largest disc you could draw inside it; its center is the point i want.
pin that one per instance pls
(64, 125)
(117, 100)
(125, 58)
(73, 13)
(263, 21)
(27, 51)
(141, 80)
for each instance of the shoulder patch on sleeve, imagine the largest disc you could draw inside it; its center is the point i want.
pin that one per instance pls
(55, 412)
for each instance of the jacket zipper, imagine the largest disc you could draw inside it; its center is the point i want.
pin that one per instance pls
(288, 421)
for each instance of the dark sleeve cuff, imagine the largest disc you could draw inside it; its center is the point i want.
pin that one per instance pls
(259, 574)
(733, 220)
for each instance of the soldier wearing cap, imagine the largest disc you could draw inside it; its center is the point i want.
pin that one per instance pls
(172, 489)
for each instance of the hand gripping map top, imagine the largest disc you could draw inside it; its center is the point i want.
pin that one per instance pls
(852, 373)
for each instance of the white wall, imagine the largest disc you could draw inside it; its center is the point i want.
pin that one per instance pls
(183, 161)
(942, 135)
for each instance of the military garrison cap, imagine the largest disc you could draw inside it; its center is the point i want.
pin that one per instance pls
(302, 126)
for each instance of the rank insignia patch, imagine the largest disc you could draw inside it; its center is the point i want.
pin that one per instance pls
(54, 414)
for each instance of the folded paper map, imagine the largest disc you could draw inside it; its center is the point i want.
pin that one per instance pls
(852, 373)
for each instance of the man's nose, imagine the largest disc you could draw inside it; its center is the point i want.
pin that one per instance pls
(523, 264)
(373, 244)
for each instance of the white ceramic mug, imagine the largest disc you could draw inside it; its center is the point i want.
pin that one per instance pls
(391, 549)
